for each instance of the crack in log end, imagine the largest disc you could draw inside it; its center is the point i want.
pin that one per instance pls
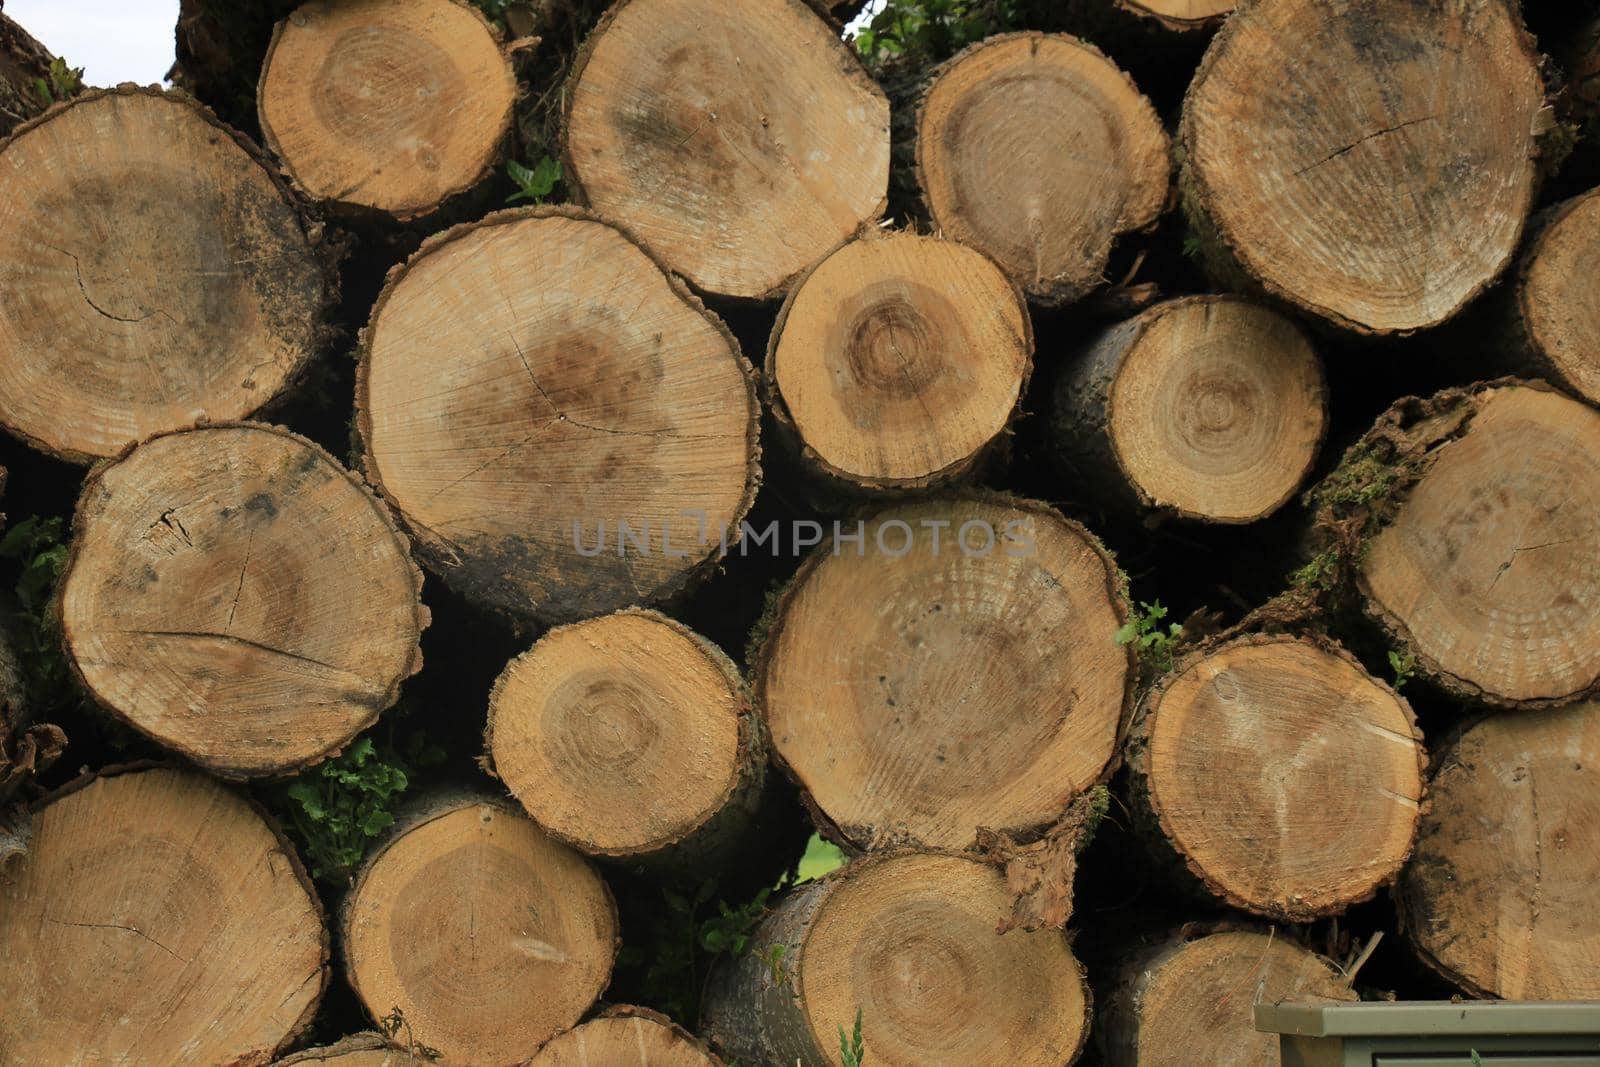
(125, 929)
(1361, 141)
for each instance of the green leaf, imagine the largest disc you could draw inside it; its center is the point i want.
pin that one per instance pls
(820, 858)
(1127, 632)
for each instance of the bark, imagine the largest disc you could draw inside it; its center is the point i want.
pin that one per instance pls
(178, 923)
(639, 693)
(398, 155)
(24, 63)
(739, 157)
(1040, 152)
(1499, 897)
(1191, 997)
(357, 1050)
(1399, 557)
(861, 939)
(105, 349)
(917, 693)
(626, 1037)
(897, 363)
(1284, 186)
(208, 603)
(473, 935)
(1206, 408)
(1284, 778)
(643, 412)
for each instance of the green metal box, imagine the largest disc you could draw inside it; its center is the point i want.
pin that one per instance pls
(1435, 1034)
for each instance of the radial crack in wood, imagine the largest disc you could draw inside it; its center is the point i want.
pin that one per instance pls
(156, 919)
(1037, 150)
(1499, 898)
(898, 362)
(238, 596)
(156, 272)
(1370, 162)
(738, 139)
(918, 693)
(1286, 777)
(517, 426)
(479, 934)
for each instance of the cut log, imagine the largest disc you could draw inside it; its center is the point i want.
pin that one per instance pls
(238, 596)
(1191, 1000)
(358, 1050)
(630, 736)
(474, 936)
(394, 107)
(1210, 408)
(1037, 150)
(1557, 314)
(738, 139)
(908, 940)
(157, 918)
(1500, 896)
(955, 668)
(1181, 15)
(1486, 572)
(156, 273)
(898, 362)
(1372, 163)
(626, 1037)
(604, 396)
(1286, 777)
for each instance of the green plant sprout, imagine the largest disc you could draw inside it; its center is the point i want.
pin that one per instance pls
(1403, 666)
(1153, 644)
(533, 183)
(62, 82)
(852, 1049)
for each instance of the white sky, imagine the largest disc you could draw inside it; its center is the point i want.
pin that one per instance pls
(112, 40)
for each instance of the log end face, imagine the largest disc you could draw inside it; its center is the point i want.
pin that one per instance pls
(1217, 409)
(621, 735)
(1288, 778)
(739, 139)
(394, 107)
(1499, 897)
(899, 359)
(1558, 300)
(1392, 211)
(1489, 571)
(1037, 150)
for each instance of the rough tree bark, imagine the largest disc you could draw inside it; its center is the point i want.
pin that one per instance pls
(475, 936)
(1209, 408)
(357, 1050)
(237, 595)
(1499, 898)
(626, 1037)
(909, 941)
(1191, 999)
(1370, 162)
(1285, 777)
(1468, 525)
(156, 919)
(918, 692)
(24, 62)
(393, 108)
(631, 737)
(738, 139)
(604, 395)
(1037, 150)
(157, 273)
(897, 362)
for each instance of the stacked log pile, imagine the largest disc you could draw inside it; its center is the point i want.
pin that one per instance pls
(671, 532)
